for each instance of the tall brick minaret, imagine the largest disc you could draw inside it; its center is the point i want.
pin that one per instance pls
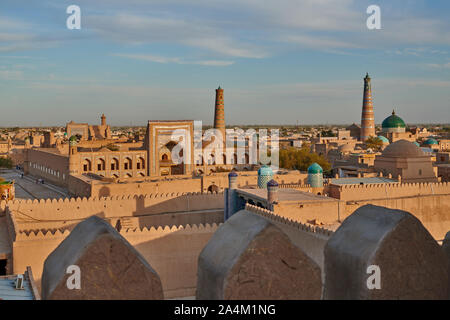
(219, 113)
(367, 117)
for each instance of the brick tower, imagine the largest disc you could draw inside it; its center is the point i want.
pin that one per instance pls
(219, 113)
(367, 118)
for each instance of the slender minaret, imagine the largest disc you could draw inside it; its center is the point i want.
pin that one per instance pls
(103, 122)
(367, 118)
(219, 113)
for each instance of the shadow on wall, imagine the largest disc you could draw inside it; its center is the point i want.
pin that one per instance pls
(174, 257)
(104, 192)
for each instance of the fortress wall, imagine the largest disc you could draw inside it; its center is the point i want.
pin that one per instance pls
(99, 189)
(81, 208)
(394, 190)
(432, 210)
(324, 211)
(171, 251)
(32, 251)
(46, 161)
(144, 185)
(251, 178)
(79, 187)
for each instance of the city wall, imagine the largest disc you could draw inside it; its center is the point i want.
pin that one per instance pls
(70, 209)
(83, 187)
(171, 251)
(432, 210)
(385, 190)
(50, 166)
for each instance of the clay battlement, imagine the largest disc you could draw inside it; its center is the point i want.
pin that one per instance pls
(189, 228)
(391, 190)
(295, 224)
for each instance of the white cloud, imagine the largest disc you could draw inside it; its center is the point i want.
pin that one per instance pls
(11, 75)
(160, 59)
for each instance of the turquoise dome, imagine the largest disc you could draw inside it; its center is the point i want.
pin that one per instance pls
(265, 174)
(315, 168)
(431, 141)
(416, 143)
(384, 139)
(265, 171)
(393, 122)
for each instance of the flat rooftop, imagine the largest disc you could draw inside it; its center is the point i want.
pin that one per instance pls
(371, 180)
(8, 291)
(284, 195)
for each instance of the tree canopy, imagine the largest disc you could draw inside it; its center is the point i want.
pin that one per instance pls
(301, 159)
(374, 143)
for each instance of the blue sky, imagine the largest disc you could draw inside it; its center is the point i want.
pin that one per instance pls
(279, 61)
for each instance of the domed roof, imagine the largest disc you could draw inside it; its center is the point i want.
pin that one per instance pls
(403, 148)
(272, 183)
(393, 121)
(346, 148)
(384, 139)
(265, 171)
(416, 143)
(315, 168)
(431, 141)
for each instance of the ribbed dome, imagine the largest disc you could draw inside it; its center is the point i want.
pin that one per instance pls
(384, 139)
(315, 168)
(265, 171)
(431, 141)
(272, 183)
(403, 148)
(393, 121)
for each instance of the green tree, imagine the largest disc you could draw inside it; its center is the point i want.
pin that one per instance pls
(374, 143)
(301, 159)
(6, 163)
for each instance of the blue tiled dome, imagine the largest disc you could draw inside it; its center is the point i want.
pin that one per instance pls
(272, 183)
(431, 141)
(265, 171)
(384, 139)
(232, 174)
(315, 168)
(265, 174)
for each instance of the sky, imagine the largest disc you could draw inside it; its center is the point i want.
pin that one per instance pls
(279, 61)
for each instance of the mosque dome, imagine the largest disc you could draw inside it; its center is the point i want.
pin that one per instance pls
(416, 143)
(346, 148)
(265, 171)
(431, 141)
(384, 139)
(232, 174)
(403, 149)
(393, 122)
(272, 183)
(315, 168)
(265, 174)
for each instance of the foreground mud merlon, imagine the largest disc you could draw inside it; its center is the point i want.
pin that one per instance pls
(110, 268)
(250, 258)
(411, 263)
